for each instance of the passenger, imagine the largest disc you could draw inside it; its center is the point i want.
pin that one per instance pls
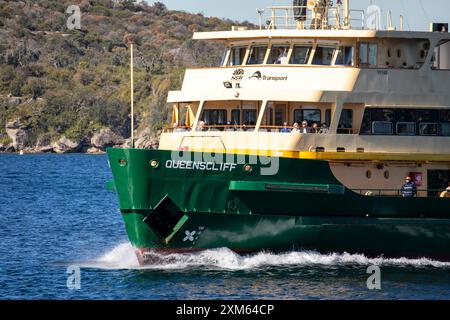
(445, 193)
(315, 128)
(285, 128)
(176, 128)
(324, 129)
(304, 128)
(201, 126)
(282, 56)
(296, 128)
(409, 189)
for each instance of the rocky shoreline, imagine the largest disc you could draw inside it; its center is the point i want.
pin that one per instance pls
(19, 141)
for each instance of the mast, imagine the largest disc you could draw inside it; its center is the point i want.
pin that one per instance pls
(347, 14)
(130, 41)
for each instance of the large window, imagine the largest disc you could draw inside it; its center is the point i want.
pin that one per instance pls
(214, 117)
(406, 122)
(257, 55)
(368, 53)
(237, 56)
(310, 115)
(300, 54)
(278, 55)
(323, 55)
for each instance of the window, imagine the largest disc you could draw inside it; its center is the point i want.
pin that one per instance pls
(214, 117)
(382, 128)
(300, 54)
(236, 117)
(368, 54)
(257, 55)
(323, 56)
(444, 119)
(237, 56)
(328, 117)
(406, 121)
(249, 117)
(428, 129)
(310, 115)
(278, 55)
(345, 56)
(406, 128)
(441, 56)
(346, 121)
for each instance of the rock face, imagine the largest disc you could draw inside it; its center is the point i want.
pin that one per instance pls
(146, 140)
(104, 139)
(44, 145)
(65, 145)
(18, 133)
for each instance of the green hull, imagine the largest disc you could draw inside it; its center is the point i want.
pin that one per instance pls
(187, 206)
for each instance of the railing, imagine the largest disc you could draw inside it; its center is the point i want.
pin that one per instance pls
(435, 193)
(303, 17)
(251, 128)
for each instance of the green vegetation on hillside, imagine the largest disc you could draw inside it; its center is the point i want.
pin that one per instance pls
(72, 83)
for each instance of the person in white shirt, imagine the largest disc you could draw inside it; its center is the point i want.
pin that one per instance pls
(282, 56)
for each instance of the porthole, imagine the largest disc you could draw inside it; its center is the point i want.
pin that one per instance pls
(368, 174)
(386, 174)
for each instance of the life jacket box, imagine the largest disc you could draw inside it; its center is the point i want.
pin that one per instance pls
(417, 178)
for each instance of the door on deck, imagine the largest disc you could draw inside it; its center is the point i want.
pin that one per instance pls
(437, 180)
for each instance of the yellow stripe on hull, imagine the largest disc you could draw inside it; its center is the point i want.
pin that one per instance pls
(337, 156)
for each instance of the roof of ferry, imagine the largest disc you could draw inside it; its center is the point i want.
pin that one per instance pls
(289, 33)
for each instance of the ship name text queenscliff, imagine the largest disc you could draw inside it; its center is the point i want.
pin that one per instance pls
(200, 165)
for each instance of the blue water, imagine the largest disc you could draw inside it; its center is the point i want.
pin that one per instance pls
(55, 212)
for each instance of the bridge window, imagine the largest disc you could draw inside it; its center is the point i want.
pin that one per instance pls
(278, 55)
(237, 56)
(345, 57)
(368, 54)
(257, 55)
(323, 55)
(300, 54)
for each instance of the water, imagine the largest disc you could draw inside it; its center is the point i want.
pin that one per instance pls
(55, 212)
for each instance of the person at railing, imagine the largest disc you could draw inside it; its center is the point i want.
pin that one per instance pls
(305, 128)
(176, 128)
(296, 128)
(324, 129)
(445, 193)
(201, 126)
(409, 189)
(314, 128)
(285, 128)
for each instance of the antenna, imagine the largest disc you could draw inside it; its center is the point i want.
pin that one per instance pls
(130, 41)
(260, 13)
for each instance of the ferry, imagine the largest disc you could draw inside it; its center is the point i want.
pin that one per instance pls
(301, 139)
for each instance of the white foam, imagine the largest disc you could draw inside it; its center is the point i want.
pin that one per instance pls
(123, 257)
